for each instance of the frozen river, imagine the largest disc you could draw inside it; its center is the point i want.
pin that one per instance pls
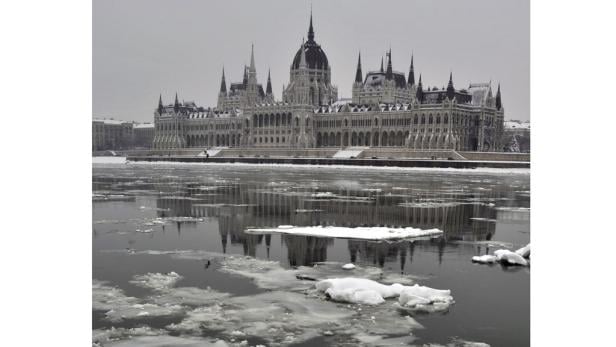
(175, 264)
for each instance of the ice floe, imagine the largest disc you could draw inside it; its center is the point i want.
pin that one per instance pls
(364, 233)
(348, 266)
(166, 341)
(368, 292)
(156, 281)
(484, 259)
(425, 299)
(506, 257)
(119, 307)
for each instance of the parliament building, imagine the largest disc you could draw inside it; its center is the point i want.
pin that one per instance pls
(387, 108)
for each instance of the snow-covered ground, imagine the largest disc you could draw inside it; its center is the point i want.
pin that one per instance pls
(364, 233)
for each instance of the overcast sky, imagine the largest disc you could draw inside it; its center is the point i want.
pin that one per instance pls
(142, 48)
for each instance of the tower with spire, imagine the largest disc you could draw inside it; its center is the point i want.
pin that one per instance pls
(310, 62)
(357, 85)
(451, 92)
(269, 95)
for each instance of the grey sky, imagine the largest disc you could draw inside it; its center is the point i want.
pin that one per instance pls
(145, 47)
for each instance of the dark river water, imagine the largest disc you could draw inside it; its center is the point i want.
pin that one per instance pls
(134, 210)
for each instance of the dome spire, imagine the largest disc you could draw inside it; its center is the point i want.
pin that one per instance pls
(411, 81)
(358, 75)
(310, 29)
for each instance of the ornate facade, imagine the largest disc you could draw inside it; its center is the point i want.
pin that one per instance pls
(386, 109)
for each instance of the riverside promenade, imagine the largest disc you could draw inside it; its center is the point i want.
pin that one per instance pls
(353, 156)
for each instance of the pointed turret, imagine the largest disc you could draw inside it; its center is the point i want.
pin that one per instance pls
(382, 70)
(160, 104)
(390, 74)
(499, 103)
(450, 90)
(419, 93)
(358, 74)
(245, 79)
(223, 83)
(411, 81)
(310, 29)
(252, 59)
(176, 104)
(268, 89)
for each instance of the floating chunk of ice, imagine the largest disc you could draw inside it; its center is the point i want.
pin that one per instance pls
(364, 233)
(485, 259)
(358, 290)
(156, 281)
(166, 341)
(511, 258)
(524, 251)
(348, 266)
(421, 298)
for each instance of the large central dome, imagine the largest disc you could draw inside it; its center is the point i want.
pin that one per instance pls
(315, 57)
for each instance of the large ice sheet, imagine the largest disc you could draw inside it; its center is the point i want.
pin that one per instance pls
(364, 233)
(358, 290)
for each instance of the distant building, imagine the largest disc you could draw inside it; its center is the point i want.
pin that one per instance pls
(111, 134)
(516, 136)
(143, 135)
(386, 109)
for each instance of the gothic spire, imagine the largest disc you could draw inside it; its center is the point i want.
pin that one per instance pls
(160, 104)
(223, 83)
(245, 79)
(450, 89)
(252, 59)
(268, 89)
(176, 105)
(382, 70)
(411, 81)
(419, 93)
(499, 103)
(389, 75)
(310, 29)
(358, 75)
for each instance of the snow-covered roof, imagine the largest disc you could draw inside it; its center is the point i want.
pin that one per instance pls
(109, 121)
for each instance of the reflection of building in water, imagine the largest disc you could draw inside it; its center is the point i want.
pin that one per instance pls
(306, 250)
(239, 206)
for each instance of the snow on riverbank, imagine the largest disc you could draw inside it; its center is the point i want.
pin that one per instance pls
(479, 170)
(364, 233)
